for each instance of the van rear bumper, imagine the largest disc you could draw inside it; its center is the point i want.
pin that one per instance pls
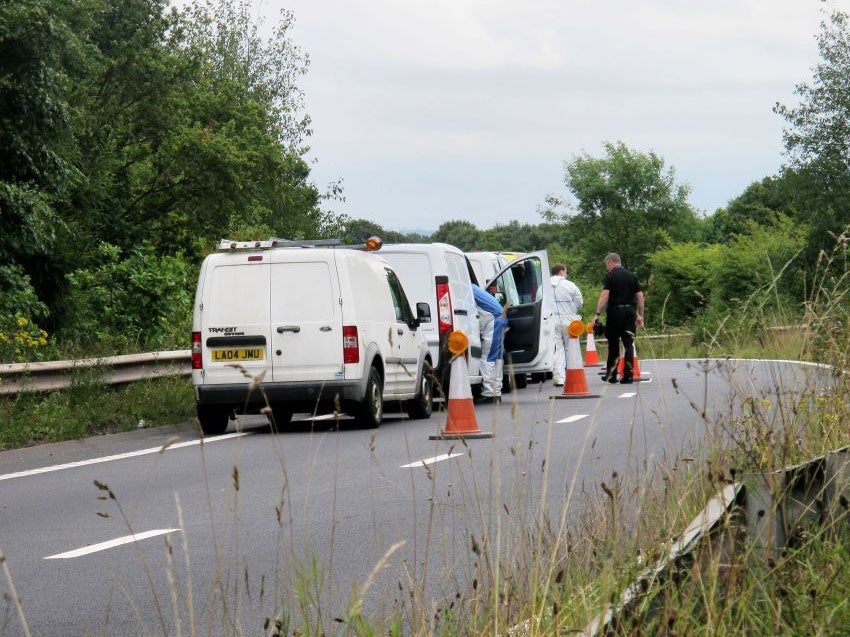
(304, 395)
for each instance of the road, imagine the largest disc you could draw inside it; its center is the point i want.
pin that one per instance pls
(231, 531)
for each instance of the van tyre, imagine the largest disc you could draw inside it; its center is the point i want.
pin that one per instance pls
(420, 408)
(213, 419)
(370, 412)
(282, 415)
(520, 381)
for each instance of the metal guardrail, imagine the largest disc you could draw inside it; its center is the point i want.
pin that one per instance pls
(125, 368)
(52, 375)
(775, 508)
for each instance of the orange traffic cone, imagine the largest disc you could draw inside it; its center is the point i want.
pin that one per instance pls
(460, 414)
(590, 357)
(576, 384)
(621, 365)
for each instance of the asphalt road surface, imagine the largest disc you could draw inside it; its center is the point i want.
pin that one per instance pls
(154, 533)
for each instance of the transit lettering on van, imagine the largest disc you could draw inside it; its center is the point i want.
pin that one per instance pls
(230, 331)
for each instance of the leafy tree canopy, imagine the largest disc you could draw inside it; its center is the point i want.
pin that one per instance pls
(626, 202)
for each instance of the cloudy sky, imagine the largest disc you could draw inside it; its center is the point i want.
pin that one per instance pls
(433, 110)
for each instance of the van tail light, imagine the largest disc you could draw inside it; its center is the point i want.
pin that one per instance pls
(197, 359)
(444, 306)
(350, 344)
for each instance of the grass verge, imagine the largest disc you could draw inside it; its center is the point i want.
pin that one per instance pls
(91, 407)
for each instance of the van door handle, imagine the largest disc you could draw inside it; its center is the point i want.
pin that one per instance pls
(288, 328)
(325, 328)
(399, 331)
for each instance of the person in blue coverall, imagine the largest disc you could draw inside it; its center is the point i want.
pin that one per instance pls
(494, 323)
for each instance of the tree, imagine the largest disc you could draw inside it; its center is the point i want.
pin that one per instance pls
(463, 234)
(759, 203)
(818, 138)
(42, 52)
(626, 202)
(193, 130)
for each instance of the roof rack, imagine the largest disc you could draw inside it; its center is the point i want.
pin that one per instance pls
(228, 245)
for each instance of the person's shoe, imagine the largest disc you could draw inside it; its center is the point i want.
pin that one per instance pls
(557, 384)
(610, 378)
(627, 380)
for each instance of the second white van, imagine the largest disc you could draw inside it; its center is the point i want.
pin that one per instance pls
(441, 275)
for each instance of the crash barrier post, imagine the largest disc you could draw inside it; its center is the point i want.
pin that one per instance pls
(775, 508)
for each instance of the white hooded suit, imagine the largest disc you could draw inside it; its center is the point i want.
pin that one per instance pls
(568, 302)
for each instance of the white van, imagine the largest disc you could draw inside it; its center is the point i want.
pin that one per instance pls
(440, 274)
(486, 265)
(522, 285)
(301, 326)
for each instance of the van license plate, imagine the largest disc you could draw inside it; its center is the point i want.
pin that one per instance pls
(238, 355)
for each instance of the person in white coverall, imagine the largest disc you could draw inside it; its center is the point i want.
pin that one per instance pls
(493, 322)
(568, 301)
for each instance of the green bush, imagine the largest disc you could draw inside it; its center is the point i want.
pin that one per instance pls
(680, 285)
(21, 339)
(125, 304)
(758, 267)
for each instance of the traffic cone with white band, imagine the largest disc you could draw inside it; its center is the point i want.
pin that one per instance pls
(591, 359)
(576, 383)
(636, 376)
(460, 414)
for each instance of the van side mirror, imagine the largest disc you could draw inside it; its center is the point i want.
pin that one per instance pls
(423, 312)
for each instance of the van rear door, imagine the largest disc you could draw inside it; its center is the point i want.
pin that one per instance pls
(523, 283)
(235, 319)
(306, 318)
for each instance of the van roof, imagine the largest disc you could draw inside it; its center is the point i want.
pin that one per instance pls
(419, 247)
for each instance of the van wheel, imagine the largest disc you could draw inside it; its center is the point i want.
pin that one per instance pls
(282, 416)
(520, 381)
(370, 412)
(213, 419)
(538, 377)
(421, 407)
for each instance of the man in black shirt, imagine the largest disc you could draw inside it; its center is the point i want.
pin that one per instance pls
(622, 295)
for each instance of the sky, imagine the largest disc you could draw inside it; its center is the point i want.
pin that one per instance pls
(439, 110)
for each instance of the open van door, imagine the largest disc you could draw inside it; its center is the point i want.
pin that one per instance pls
(523, 288)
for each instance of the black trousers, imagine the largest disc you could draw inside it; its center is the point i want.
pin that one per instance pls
(621, 326)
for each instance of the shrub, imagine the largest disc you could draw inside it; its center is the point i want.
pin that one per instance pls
(141, 301)
(21, 339)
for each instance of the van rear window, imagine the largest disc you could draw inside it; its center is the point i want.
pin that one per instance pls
(458, 272)
(301, 292)
(238, 295)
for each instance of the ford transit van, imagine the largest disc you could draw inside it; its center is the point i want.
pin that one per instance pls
(301, 326)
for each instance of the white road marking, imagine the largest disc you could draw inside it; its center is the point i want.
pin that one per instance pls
(325, 417)
(119, 456)
(94, 548)
(572, 418)
(427, 461)
(628, 394)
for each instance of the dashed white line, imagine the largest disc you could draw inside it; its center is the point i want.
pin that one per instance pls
(628, 394)
(427, 461)
(572, 418)
(119, 456)
(94, 548)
